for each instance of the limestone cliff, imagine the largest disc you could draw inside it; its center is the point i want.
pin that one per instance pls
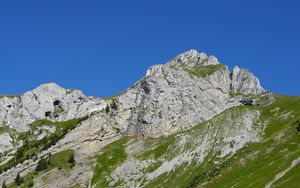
(188, 90)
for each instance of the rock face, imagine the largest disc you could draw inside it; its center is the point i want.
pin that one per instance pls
(170, 99)
(245, 82)
(48, 101)
(5, 142)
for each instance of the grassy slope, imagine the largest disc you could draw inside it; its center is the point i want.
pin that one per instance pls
(113, 155)
(190, 174)
(290, 179)
(165, 148)
(253, 166)
(203, 71)
(257, 164)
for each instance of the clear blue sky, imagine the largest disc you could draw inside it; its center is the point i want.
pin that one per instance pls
(103, 47)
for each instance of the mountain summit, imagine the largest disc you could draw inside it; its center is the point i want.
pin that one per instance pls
(188, 90)
(191, 118)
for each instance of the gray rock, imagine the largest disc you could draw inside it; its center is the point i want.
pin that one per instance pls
(169, 99)
(87, 140)
(48, 101)
(245, 82)
(193, 57)
(5, 142)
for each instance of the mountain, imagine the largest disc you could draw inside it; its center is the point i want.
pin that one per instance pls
(191, 122)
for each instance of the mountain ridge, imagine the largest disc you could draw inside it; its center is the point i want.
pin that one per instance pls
(168, 120)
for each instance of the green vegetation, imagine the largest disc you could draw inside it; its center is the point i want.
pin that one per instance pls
(166, 148)
(113, 155)
(107, 108)
(6, 129)
(42, 165)
(19, 180)
(114, 96)
(203, 71)
(290, 179)
(8, 96)
(31, 148)
(4, 185)
(71, 160)
(258, 163)
(234, 95)
(26, 181)
(298, 125)
(280, 114)
(64, 125)
(61, 160)
(187, 175)
(153, 167)
(157, 147)
(254, 165)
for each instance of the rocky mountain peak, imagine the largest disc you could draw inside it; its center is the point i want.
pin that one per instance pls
(48, 101)
(189, 89)
(49, 92)
(192, 58)
(49, 87)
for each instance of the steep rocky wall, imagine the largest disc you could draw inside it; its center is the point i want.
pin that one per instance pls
(171, 99)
